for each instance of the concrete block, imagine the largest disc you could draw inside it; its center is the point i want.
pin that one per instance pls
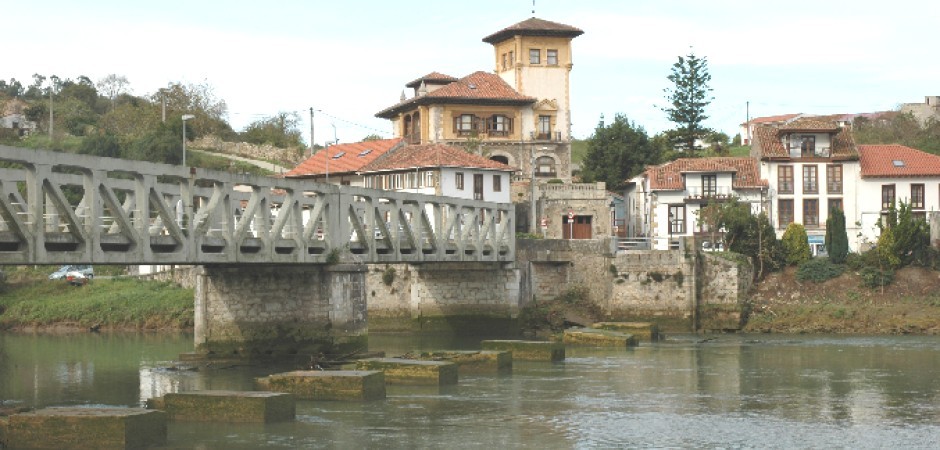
(228, 406)
(646, 331)
(410, 371)
(327, 384)
(528, 350)
(599, 338)
(472, 361)
(86, 428)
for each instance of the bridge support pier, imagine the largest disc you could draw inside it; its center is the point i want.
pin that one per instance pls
(280, 310)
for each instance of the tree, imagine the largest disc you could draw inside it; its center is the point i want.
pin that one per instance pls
(101, 144)
(112, 86)
(372, 137)
(747, 234)
(200, 101)
(837, 239)
(617, 152)
(898, 128)
(688, 98)
(796, 245)
(280, 130)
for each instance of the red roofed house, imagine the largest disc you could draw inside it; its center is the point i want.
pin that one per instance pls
(747, 128)
(341, 163)
(663, 202)
(891, 174)
(438, 169)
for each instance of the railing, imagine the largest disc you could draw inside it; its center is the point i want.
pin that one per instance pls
(648, 243)
(716, 193)
(63, 208)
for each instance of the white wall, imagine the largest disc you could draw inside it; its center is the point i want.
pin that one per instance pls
(449, 185)
(869, 205)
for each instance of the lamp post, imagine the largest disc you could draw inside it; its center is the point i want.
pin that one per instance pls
(185, 118)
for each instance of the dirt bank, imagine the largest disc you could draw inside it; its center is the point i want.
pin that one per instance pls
(911, 304)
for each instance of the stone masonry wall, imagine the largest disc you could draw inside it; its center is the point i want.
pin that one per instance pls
(255, 311)
(652, 285)
(724, 282)
(252, 151)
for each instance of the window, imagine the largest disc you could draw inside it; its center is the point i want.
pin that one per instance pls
(887, 196)
(810, 182)
(465, 124)
(709, 185)
(497, 183)
(551, 57)
(535, 56)
(834, 179)
(545, 127)
(459, 180)
(785, 179)
(811, 213)
(834, 204)
(512, 58)
(505, 61)
(808, 146)
(676, 219)
(545, 166)
(785, 215)
(917, 196)
(429, 179)
(499, 125)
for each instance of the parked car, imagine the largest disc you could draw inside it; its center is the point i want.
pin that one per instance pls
(86, 271)
(76, 278)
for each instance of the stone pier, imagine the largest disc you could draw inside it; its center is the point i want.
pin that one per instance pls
(279, 310)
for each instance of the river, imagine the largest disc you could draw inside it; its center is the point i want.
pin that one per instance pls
(734, 391)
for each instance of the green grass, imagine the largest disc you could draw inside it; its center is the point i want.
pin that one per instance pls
(578, 150)
(29, 299)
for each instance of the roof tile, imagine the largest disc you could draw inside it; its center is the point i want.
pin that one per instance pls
(668, 176)
(477, 87)
(534, 27)
(878, 161)
(432, 155)
(354, 157)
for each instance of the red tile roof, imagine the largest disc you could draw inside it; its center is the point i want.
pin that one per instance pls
(355, 155)
(772, 119)
(432, 155)
(668, 176)
(534, 27)
(878, 161)
(476, 88)
(767, 139)
(431, 78)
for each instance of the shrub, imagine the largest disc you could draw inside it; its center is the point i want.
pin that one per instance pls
(796, 245)
(818, 270)
(837, 240)
(388, 276)
(873, 277)
(855, 261)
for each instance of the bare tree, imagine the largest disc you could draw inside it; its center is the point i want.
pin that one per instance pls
(112, 86)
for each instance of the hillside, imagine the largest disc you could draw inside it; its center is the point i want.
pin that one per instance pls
(911, 304)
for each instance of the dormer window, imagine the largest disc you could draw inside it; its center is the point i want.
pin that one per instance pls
(808, 146)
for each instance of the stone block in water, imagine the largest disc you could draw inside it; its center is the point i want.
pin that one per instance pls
(646, 331)
(471, 361)
(229, 406)
(86, 428)
(528, 350)
(327, 384)
(410, 371)
(599, 338)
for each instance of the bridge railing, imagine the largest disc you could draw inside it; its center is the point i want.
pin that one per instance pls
(65, 208)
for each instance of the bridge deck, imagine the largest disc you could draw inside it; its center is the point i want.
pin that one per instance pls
(58, 208)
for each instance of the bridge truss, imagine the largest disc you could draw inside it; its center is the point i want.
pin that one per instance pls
(58, 208)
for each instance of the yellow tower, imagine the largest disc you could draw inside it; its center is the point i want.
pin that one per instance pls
(534, 57)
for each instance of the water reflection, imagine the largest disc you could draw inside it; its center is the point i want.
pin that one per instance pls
(730, 392)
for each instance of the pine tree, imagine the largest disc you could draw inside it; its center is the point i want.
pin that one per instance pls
(688, 98)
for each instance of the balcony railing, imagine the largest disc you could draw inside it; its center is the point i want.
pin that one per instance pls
(716, 193)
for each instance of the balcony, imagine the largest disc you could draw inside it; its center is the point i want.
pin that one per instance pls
(697, 194)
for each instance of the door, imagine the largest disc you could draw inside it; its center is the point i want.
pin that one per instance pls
(478, 186)
(579, 228)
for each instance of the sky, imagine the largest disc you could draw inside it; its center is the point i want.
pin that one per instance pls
(350, 59)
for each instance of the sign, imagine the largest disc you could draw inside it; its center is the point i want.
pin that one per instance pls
(570, 215)
(544, 222)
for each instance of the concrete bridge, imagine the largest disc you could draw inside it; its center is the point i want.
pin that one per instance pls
(283, 261)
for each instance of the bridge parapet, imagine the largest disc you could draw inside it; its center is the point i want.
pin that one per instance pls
(66, 208)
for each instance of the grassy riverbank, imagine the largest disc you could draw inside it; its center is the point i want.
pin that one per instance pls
(30, 300)
(909, 305)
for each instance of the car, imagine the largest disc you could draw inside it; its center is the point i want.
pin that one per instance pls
(76, 278)
(86, 271)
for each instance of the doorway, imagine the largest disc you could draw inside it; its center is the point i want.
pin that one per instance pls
(578, 228)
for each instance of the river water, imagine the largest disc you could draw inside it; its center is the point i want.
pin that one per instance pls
(686, 392)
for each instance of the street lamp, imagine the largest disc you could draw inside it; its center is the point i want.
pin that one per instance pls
(185, 118)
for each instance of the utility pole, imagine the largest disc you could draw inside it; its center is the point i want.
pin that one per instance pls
(747, 123)
(163, 102)
(51, 115)
(312, 150)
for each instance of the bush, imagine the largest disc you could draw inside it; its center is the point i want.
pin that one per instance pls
(837, 241)
(855, 261)
(388, 276)
(796, 245)
(818, 270)
(873, 277)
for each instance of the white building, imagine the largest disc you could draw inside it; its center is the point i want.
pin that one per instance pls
(664, 202)
(889, 175)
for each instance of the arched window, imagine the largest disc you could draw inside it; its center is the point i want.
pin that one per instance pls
(545, 167)
(500, 159)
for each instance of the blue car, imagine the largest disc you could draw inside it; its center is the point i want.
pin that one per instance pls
(86, 271)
